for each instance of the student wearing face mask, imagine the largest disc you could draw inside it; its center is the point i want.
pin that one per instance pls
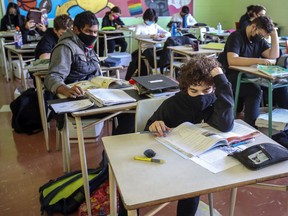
(45, 46)
(184, 16)
(12, 18)
(150, 29)
(247, 47)
(112, 18)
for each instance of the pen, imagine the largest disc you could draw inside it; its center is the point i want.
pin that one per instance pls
(243, 142)
(149, 159)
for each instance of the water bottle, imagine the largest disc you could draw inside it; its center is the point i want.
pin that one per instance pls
(18, 38)
(173, 29)
(184, 21)
(219, 28)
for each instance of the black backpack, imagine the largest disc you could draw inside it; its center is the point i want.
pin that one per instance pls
(66, 193)
(26, 115)
(282, 61)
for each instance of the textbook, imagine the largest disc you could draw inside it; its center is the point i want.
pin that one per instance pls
(213, 46)
(279, 119)
(106, 97)
(70, 105)
(273, 71)
(102, 82)
(189, 140)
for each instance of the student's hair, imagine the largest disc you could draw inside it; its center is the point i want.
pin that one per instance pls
(116, 10)
(63, 22)
(185, 10)
(264, 22)
(197, 71)
(12, 5)
(249, 10)
(150, 14)
(257, 8)
(85, 18)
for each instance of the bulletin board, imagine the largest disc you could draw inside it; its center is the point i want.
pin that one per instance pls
(129, 8)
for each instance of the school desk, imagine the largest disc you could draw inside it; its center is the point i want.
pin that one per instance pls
(143, 184)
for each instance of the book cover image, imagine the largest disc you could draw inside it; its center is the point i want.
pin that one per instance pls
(273, 70)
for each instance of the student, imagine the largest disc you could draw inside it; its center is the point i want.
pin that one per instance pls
(32, 31)
(247, 47)
(12, 18)
(50, 38)
(205, 95)
(256, 11)
(112, 18)
(73, 58)
(247, 16)
(150, 29)
(184, 14)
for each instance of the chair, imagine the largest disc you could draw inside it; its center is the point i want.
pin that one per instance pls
(237, 25)
(144, 110)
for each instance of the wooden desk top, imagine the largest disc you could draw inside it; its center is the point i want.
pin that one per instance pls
(143, 184)
(187, 50)
(20, 51)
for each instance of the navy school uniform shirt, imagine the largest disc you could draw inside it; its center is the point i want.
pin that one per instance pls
(47, 43)
(238, 43)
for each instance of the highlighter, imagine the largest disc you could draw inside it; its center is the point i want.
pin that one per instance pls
(153, 160)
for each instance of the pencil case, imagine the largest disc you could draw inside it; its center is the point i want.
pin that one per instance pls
(261, 155)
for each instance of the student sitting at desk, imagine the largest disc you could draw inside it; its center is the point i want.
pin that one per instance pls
(256, 11)
(150, 29)
(50, 38)
(32, 31)
(206, 95)
(12, 18)
(74, 59)
(245, 47)
(112, 18)
(184, 17)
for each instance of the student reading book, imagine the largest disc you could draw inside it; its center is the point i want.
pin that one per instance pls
(205, 95)
(191, 140)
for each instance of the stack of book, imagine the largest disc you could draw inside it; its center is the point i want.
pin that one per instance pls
(279, 119)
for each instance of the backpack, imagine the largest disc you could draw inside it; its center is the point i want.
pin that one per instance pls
(282, 61)
(133, 66)
(66, 193)
(25, 113)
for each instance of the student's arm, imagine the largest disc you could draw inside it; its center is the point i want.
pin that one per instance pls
(273, 52)
(45, 56)
(106, 21)
(191, 20)
(162, 32)
(141, 31)
(222, 116)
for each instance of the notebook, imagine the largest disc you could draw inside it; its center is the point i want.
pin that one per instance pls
(214, 46)
(156, 82)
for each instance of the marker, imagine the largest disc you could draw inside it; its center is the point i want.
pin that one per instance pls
(155, 81)
(149, 159)
(243, 142)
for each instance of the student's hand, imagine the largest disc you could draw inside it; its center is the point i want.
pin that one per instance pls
(263, 61)
(72, 92)
(216, 71)
(30, 24)
(41, 27)
(111, 17)
(158, 128)
(118, 26)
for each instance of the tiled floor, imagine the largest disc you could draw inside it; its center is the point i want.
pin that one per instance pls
(25, 165)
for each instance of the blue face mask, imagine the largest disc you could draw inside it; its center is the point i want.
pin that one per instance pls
(149, 22)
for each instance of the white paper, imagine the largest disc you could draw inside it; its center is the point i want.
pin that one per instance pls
(71, 106)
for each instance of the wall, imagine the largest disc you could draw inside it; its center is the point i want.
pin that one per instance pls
(227, 12)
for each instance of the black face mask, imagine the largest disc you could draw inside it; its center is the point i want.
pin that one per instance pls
(12, 16)
(201, 102)
(256, 38)
(88, 40)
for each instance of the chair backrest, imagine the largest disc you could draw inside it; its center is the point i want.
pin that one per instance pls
(144, 110)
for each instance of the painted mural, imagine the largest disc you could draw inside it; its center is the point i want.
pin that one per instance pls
(128, 7)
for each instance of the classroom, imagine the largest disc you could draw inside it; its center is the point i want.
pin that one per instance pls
(70, 141)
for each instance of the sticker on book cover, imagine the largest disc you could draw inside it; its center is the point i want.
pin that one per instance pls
(258, 157)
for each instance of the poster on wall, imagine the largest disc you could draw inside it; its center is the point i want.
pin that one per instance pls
(100, 7)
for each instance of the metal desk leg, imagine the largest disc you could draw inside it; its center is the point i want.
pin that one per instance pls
(10, 71)
(105, 45)
(42, 110)
(112, 192)
(237, 91)
(232, 201)
(139, 58)
(210, 198)
(172, 74)
(270, 104)
(83, 163)
(23, 78)
(155, 58)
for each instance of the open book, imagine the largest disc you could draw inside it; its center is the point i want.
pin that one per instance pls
(273, 71)
(69, 105)
(102, 82)
(106, 97)
(190, 140)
